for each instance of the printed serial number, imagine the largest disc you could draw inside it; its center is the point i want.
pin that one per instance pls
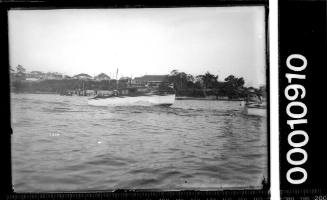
(320, 198)
(295, 93)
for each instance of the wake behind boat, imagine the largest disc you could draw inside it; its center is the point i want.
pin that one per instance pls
(135, 97)
(134, 100)
(256, 109)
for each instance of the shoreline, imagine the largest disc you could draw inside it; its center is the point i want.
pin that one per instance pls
(176, 98)
(205, 98)
(34, 92)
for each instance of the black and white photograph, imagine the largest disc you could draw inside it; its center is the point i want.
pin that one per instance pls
(160, 99)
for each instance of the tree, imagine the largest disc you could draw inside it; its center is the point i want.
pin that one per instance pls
(233, 86)
(181, 80)
(234, 81)
(20, 69)
(208, 80)
(174, 72)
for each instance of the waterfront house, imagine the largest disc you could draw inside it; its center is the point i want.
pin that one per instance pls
(104, 92)
(67, 77)
(54, 76)
(19, 76)
(89, 92)
(102, 77)
(32, 79)
(12, 70)
(12, 73)
(37, 75)
(150, 80)
(126, 80)
(82, 76)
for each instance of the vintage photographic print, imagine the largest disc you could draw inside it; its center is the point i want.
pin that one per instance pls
(163, 99)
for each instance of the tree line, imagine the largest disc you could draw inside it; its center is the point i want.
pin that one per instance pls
(60, 86)
(184, 84)
(209, 85)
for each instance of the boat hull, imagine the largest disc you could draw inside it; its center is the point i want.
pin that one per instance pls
(255, 111)
(150, 100)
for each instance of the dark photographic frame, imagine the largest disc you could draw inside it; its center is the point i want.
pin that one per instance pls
(5, 148)
(302, 32)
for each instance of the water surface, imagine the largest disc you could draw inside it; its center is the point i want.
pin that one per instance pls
(62, 144)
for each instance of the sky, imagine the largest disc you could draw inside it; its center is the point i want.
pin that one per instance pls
(143, 41)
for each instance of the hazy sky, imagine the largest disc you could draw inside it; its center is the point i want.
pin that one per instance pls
(223, 41)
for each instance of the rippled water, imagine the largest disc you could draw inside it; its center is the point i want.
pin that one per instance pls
(62, 144)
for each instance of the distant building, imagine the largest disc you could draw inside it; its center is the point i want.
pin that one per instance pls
(12, 73)
(12, 70)
(53, 76)
(151, 80)
(104, 92)
(67, 77)
(101, 77)
(82, 76)
(18, 76)
(32, 79)
(89, 92)
(36, 75)
(126, 80)
(20, 68)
